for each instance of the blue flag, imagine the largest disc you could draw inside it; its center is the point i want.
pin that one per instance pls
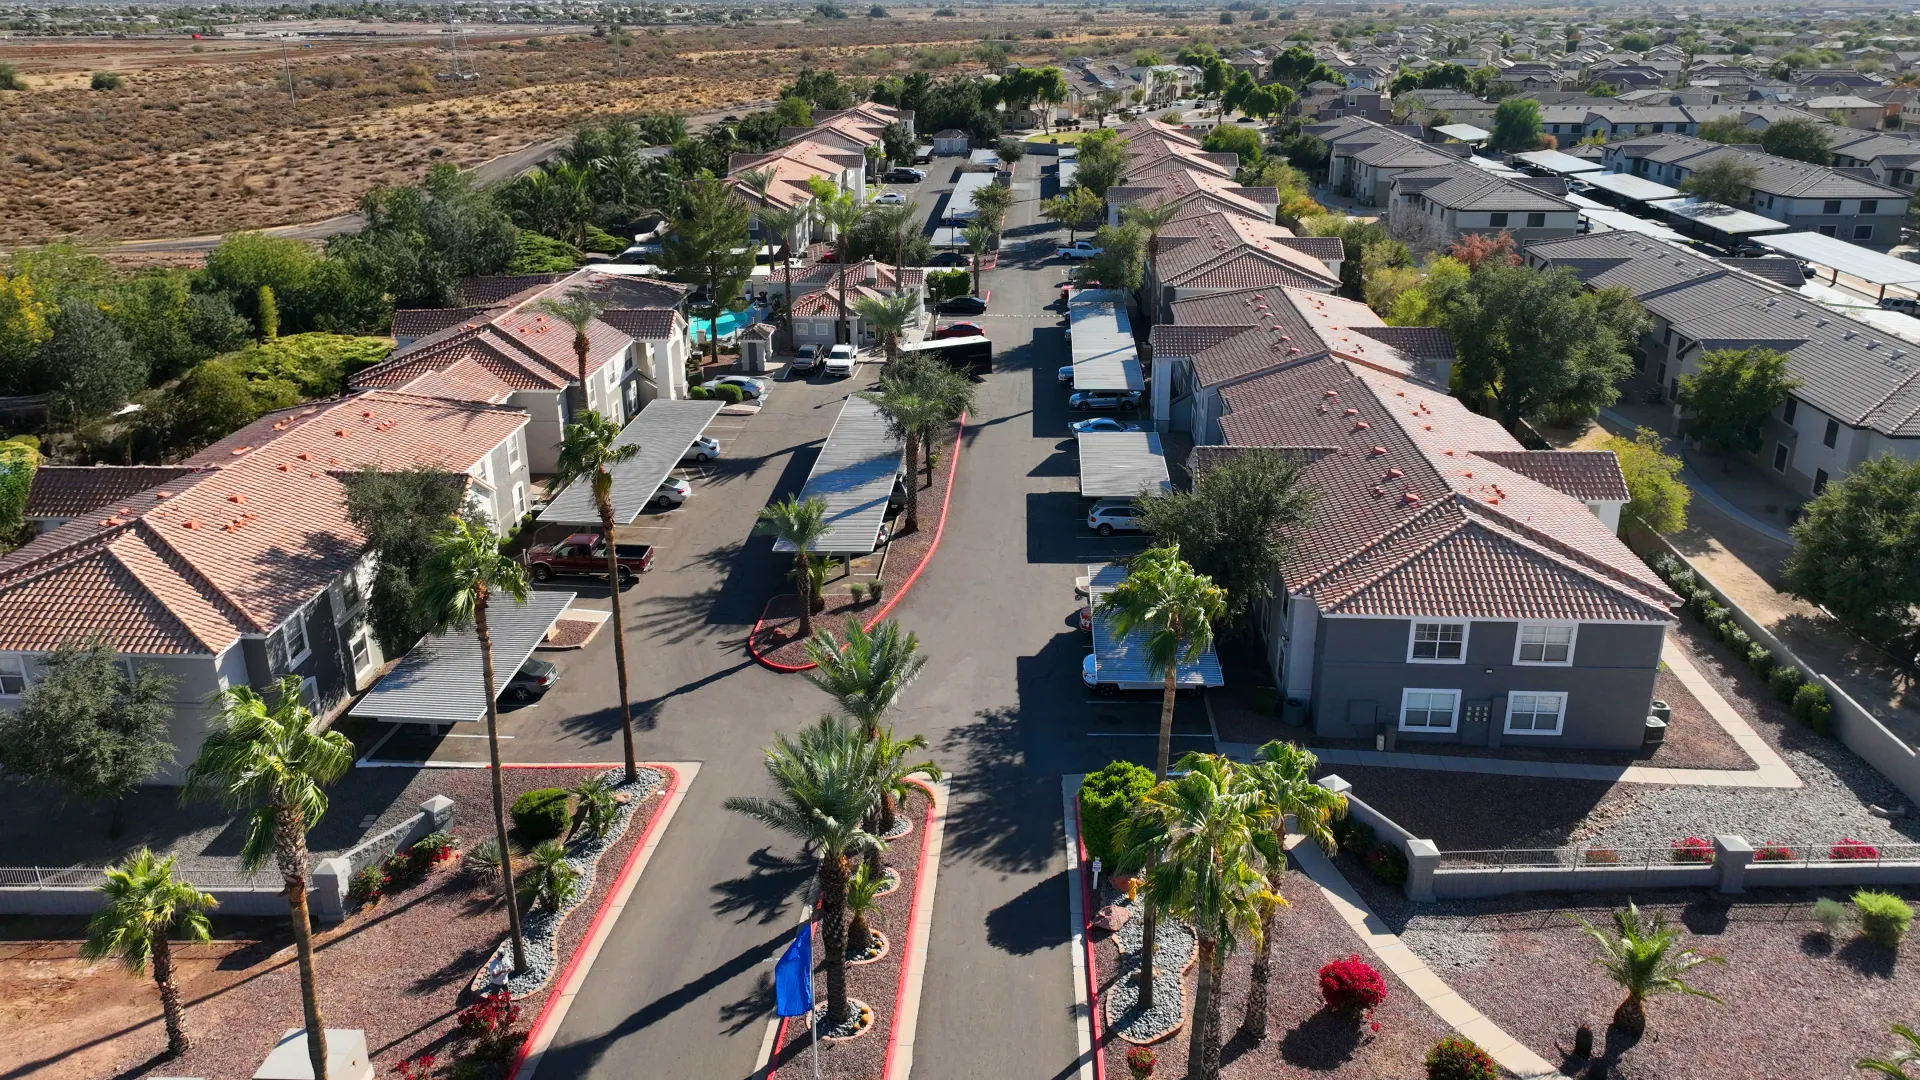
(793, 976)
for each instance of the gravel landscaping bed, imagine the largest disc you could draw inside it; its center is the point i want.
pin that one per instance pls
(398, 969)
(1454, 810)
(876, 984)
(1797, 1004)
(1173, 950)
(1303, 1038)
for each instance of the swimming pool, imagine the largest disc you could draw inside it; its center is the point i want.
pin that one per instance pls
(730, 322)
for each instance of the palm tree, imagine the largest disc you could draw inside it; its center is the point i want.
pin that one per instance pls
(1639, 955)
(894, 775)
(269, 762)
(1209, 837)
(866, 674)
(863, 902)
(887, 318)
(841, 215)
(784, 222)
(912, 413)
(1175, 609)
(578, 310)
(979, 238)
(823, 787)
(1282, 775)
(464, 572)
(1152, 219)
(759, 181)
(1896, 1066)
(897, 224)
(801, 524)
(589, 452)
(145, 908)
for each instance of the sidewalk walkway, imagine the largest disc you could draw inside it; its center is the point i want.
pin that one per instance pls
(1692, 478)
(1402, 961)
(1772, 772)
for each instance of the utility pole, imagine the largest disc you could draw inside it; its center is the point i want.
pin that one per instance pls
(286, 61)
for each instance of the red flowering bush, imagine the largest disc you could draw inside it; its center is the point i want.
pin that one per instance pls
(415, 1068)
(489, 1022)
(368, 886)
(1454, 1058)
(1351, 985)
(1849, 848)
(1773, 853)
(1140, 1062)
(1692, 850)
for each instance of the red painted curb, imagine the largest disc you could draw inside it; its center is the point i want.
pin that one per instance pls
(1087, 885)
(945, 502)
(626, 872)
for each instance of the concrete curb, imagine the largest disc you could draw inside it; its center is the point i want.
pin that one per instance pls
(552, 1014)
(913, 966)
(1086, 990)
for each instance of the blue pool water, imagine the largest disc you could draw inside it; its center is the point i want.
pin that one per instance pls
(729, 322)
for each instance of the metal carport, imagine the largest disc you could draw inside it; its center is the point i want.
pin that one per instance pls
(1560, 163)
(438, 682)
(1716, 222)
(1627, 187)
(1104, 354)
(1843, 258)
(1124, 660)
(854, 475)
(1122, 464)
(664, 431)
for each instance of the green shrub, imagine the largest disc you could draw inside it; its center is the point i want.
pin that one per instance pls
(1665, 565)
(1883, 917)
(1713, 613)
(1785, 682)
(1455, 1058)
(729, 393)
(942, 284)
(106, 80)
(1735, 638)
(1811, 707)
(1760, 659)
(1105, 798)
(1831, 914)
(1264, 699)
(698, 393)
(550, 881)
(541, 814)
(367, 886)
(598, 806)
(602, 242)
(1683, 580)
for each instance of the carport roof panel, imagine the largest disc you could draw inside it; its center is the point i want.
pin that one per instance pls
(439, 682)
(1851, 259)
(1621, 221)
(854, 475)
(1104, 354)
(664, 430)
(1556, 162)
(1629, 187)
(1124, 660)
(1122, 464)
(1719, 217)
(1464, 132)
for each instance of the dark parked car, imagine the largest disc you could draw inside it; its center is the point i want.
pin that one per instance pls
(534, 678)
(905, 176)
(963, 305)
(808, 359)
(960, 329)
(950, 258)
(1103, 399)
(585, 554)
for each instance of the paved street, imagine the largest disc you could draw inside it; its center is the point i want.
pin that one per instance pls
(682, 988)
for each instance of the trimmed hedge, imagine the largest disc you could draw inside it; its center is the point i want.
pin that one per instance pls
(1265, 700)
(1785, 682)
(1105, 798)
(1811, 707)
(729, 393)
(1883, 917)
(541, 814)
(698, 393)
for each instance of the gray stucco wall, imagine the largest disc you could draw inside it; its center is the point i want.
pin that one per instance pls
(1360, 670)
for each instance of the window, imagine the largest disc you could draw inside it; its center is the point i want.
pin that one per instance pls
(1438, 643)
(13, 675)
(360, 650)
(1780, 457)
(1788, 410)
(513, 453)
(1544, 643)
(1497, 221)
(485, 469)
(1660, 373)
(519, 501)
(292, 639)
(1536, 221)
(1829, 230)
(1666, 335)
(310, 694)
(1535, 714)
(1863, 232)
(1819, 481)
(1831, 206)
(1428, 710)
(1832, 433)
(1869, 206)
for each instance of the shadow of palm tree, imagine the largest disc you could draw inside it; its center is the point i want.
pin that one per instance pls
(764, 891)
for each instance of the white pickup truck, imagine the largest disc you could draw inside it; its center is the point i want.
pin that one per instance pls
(1079, 249)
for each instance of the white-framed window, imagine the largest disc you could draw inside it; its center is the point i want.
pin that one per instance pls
(1429, 710)
(13, 675)
(1544, 643)
(1535, 713)
(360, 650)
(288, 646)
(485, 470)
(1438, 643)
(310, 694)
(519, 501)
(513, 452)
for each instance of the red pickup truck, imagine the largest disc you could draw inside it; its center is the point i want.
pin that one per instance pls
(586, 553)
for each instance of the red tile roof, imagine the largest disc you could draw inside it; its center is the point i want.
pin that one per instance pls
(1588, 475)
(65, 491)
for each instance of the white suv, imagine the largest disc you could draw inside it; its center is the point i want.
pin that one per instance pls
(840, 360)
(1109, 516)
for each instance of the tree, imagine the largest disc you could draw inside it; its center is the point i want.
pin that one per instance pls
(1282, 776)
(1516, 125)
(1896, 1066)
(90, 366)
(145, 909)
(18, 464)
(920, 400)
(1731, 395)
(245, 261)
(1728, 129)
(268, 761)
(865, 674)
(1174, 609)
(1636, 42)
(1076, 208)
(1298, 67)
(1640, 956)
(1727, 181)
(420, 240)
(841, 215)
(823, 787)
(1150, 220)
(1530, 340)
(1121, 263)
(710, 247)
(1010, 151)
(893, 229)
(464, 573)
(1432, 302)
(1233, 523)
(992, 203)
(88, 729)
(587, 455)
(783, 223)
(1234, 139)
(1801, 140)
(794, 112)
(893, 774)
(1102, 159)
(398, 512)
(1655, 495)
(800, 524)
(579, 310)
(1208, 840)
(1857, 552)
(887, 317)
(1473, 249)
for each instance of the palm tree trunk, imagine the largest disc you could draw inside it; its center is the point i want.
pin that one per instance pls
(1149, 941)
(803, 581)
(1209, 1018)
(889, 813)
(846, 324)
(170, 1009)
(290, 850)
(499, 792)
(913, 483)
(1255, 1021)
(619, 637)
(859, 936)
(833, 935)
(1202, 1001)
(1631, 1016)
(1168, 688)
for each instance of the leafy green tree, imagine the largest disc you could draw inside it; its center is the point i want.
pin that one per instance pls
(1234, 139)
(145, 909)
(88, 729)
(800, 524)
(1641, 956)
(464, 572)
(1731, 395)
(1530, 341)
(1857, 553)
(399, 512)
(18, 463)
(245, 261)
(1655, 494)
(90, 367)
(270, 762)
(1636, 43)
(823, 788)
(1102, 159)
(1727, 181)
(1121, 263)
(1728, 129)
(824, 89)
(1356, 235)
(1516, 125)
(1076, 208)
(1298, 67)
(794, 112)
(1281, 776)
(1801, 140)
(421, 239)
(1431, 302)
(710, 247)
(588, 454)
(1234, 522)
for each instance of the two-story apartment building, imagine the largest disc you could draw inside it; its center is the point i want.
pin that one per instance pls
(1431, 208)
(1363, 157)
